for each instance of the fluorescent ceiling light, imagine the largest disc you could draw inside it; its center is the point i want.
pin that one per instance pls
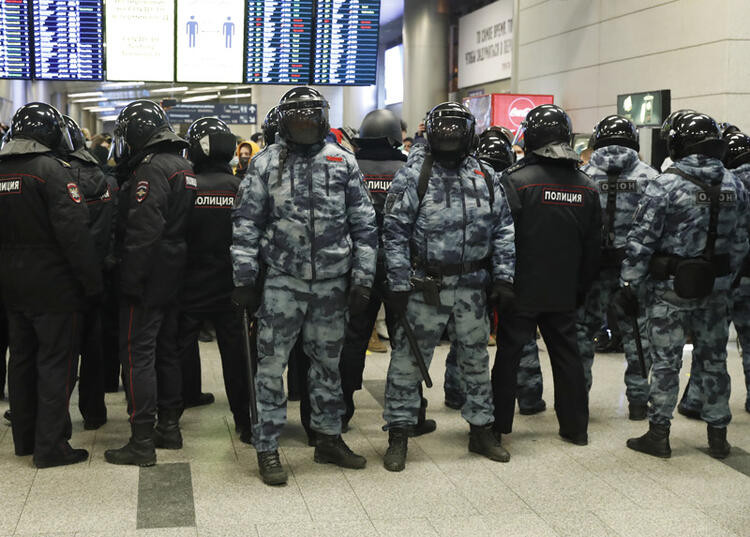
(177, 89)
(88, 94)
(89, 100)
(206, 89)
(117, 85)
(108, 118)
(100, 108)
(200, 98)
(236, 96)
(242, 87)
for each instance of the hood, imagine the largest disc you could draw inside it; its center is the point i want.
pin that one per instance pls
(614, 158)
(84, 155)
(558, 151)
(22, 146)
(707, 169)
(166, 135)
(254, 148)
(212, 166)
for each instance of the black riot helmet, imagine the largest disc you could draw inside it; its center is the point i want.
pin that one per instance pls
(672, 119)
(615, 130)
(450, 130)
(695, 134)
(42, 123)
(137, 123)
(505, 131)
(209, 138)
(381, 124)
(270, 126)
(545, 124)
(303, 116)
(77, 139)
(738, 150)
(494, 148)
(727, 129)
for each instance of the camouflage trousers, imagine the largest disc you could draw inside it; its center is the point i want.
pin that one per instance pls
(670, 322)
(590, 318)
(464, 312)
(318, 310)
(529, 378)
(741, 318)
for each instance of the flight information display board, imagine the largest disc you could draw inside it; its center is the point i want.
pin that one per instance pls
(279, 41)
(15, 55)
(210, 40)
(140, 40)
(346, 42)
(68, 40)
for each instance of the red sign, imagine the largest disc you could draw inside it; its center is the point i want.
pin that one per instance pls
(509, 110)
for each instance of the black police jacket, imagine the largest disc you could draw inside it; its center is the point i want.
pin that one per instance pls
(99, 191)
(557, 217)
(47, 257)
(378, 164)
(208, 277)
(154, 207)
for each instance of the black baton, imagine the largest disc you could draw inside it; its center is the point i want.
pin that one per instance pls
(639, 346)
(415, 350)
(250, 371)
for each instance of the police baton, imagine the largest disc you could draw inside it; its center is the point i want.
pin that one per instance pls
(637, 334)
(416, 351)
(250, 369)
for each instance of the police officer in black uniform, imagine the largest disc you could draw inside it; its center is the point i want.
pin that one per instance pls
(157, 192)
(98, 190)
(49, 273)
(558, 231)
(208, 278)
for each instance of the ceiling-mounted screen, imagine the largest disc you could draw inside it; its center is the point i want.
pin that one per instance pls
(68, 40)
(15, 56)
(210, 40)
(140, 40)
(279, 39)
(346, 42)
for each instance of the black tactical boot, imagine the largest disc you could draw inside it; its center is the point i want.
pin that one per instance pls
(484, 442)
(395, 457)
(718, 447)
(423, 426)
(637, 411)
(167, 431)
(65, 456)
(655, 442)
(270, 468)
(331, 449)
(139, 451)
(6, 415)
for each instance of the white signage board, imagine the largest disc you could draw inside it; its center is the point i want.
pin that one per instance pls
(485, 44)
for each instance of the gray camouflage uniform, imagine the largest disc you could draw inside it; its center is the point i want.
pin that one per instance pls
(673, 219)
(312, 225)
(454, 224)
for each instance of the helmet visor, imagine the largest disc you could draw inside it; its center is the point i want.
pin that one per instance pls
(66, 142)
(450, 135)
(305, 126)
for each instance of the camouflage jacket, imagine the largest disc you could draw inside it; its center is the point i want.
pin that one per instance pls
(632, 178)
(672, 218)
(453, 224)
(311, 219)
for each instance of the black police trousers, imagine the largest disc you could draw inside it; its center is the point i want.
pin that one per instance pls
(42, 371)
(91, 378)
(228, 326)
(516, 329)
(3, 350)
(150, 361)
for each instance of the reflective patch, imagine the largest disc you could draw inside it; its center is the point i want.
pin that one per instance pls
(191, 183)
(73, 192)
(726, 197)
(478, 172)
(562, 197)
(334, 159)
(10, 186)
(141, 191)
(620, 186)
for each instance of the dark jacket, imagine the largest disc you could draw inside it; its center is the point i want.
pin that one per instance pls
(47, 258)
(378, 164)
(558, 232)
(154, 207)
(208, 278)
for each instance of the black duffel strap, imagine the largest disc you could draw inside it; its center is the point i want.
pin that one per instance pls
(719, 262)
(424, 177)
(713, 192)
(439, 270)
(609, 223)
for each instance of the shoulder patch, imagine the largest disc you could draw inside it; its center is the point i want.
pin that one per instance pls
(515, 167)
(10, 185)
(191, 183)
(73, 192)
(141, 191)
(334, 159)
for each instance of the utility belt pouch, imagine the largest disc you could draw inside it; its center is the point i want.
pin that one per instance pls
(430, 288)
(694, 278)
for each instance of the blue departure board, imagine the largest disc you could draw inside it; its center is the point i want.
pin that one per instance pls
(15, 53)
(68, 40)
(279, 41)
(346, 42)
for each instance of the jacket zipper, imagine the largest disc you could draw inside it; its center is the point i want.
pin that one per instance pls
(312, 220)
(327, 180)
(476, 192)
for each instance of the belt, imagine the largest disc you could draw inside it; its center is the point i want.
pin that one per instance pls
(720, 264)
(438, 270)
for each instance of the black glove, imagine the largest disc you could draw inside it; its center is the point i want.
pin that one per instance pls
(359, 298)
(397, 301)
(627, 300)
(246, 297)
(503, 296)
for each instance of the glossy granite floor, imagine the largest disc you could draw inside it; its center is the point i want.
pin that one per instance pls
(211, 487)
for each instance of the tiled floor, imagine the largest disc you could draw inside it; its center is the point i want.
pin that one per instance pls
(549, 488)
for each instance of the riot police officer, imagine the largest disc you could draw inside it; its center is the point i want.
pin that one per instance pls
(304, 214)
(621, 179)
(448, 237)
(270, 126)
(557, 215)
(208, 276)
(98, 190)
(688, 241)
(49, 274)
(157, 193)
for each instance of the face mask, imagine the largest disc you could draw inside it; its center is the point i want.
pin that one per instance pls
(244, 161)
(88, 144)
(235, 160)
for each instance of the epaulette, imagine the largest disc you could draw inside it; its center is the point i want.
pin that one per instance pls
(344, 148)
(65, 164)
(515, 167)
